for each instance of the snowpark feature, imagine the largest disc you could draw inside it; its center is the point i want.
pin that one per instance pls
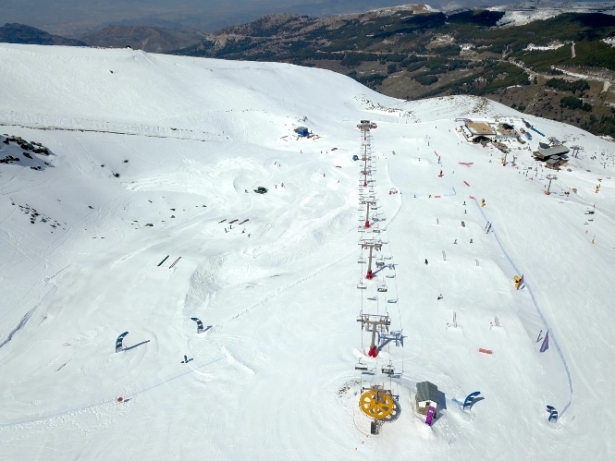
(154, 160)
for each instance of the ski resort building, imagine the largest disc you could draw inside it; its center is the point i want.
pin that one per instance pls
(477, 131)
(505, 131)
(427, 395)
(552, 156)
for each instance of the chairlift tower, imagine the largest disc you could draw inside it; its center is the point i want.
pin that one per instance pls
(371, 245)
(550, 177)
(366, 156)
(365, 126)
(366, 172)
(367, 168)
(367, 202)
(374, 324)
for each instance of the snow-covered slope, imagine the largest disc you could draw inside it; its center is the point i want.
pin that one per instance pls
(127, 227)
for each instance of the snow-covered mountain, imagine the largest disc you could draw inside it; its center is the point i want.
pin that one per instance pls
(525, 12)
(140, 213)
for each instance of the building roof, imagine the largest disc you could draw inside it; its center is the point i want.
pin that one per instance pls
(480, 128)
(427, 391)
(556, 150)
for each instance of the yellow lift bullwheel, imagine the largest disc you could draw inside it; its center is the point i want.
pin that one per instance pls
(377, 403)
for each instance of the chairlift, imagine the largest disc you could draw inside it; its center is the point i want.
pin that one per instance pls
(388, 369)
(388, 258)
(380, 260)
(392, 301)
(392, 276)
(360, 366)
(382, 288)
(361, 260)
(373, 298)
(361, 285)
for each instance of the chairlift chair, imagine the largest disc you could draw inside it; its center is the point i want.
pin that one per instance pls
(360, 366)
(382, 288)
(390, 276)
(361, 285)
(380, 261)
(392, 301)
(388, 369)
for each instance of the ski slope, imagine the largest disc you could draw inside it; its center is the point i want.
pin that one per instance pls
(151, 157)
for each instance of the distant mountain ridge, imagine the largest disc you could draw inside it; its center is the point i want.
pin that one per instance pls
(20, 33)
(147, 38)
